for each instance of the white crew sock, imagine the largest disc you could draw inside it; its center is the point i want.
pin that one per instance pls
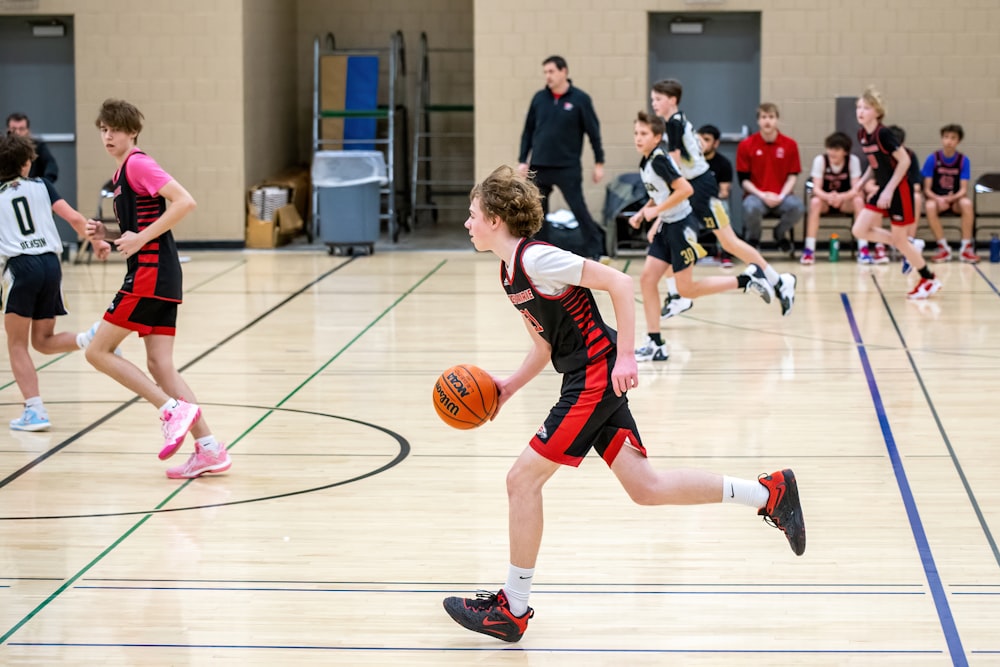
(171, 404)
(771, 275)
(518, 587)
(210, 444)
(672, 286)
(811, 243)
(35, 403)
(747, 492)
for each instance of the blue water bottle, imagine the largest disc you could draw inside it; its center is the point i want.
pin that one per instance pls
(995, 249)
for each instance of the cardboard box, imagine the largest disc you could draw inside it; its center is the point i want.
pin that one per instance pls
(289, 220)
(286, 225)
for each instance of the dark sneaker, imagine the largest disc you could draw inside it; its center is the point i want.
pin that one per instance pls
(489, 614)
(783, 510)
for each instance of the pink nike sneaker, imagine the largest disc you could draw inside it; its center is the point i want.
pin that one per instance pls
(201, 462)
(176, 424)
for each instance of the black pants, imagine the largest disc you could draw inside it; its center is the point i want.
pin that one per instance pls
(569, 180)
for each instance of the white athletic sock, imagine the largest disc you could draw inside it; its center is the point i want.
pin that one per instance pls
(747, 492)
(771, 274)
(518, 587)
(169, 405)
(811, 242)
(862, 244)
(965, 244)
(210, 443)
(35, 403)
(943, 244)
(671, 285)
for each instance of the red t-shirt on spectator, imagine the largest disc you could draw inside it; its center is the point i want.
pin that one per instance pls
(768, 164)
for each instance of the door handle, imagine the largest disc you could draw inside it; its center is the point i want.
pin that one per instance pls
(735, 137)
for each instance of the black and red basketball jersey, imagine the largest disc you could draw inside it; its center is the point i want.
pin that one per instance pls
(947, 173)
(878, 147)
(836, 181)
(154, 271)
(570, 322)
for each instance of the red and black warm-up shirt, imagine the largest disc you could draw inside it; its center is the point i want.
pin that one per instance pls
(570, 322)
(155, 271)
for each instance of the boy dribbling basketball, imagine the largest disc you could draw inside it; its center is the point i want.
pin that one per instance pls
(552, 290)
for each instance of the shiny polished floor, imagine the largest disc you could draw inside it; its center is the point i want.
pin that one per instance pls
(351, 510)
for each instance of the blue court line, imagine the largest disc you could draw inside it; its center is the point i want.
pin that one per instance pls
(987, 533)
(783, 591)
(988, 281)
(916, 526)
(488, 649)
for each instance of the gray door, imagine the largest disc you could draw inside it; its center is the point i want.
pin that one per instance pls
(37, 78)
(719, 68)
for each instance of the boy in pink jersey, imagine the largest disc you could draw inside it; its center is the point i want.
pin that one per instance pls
(148, 203)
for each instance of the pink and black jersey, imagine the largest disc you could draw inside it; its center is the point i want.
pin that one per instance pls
(154, 271)
(570, 322)
(878, 147)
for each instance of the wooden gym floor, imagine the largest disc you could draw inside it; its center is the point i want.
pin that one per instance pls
(351, 510)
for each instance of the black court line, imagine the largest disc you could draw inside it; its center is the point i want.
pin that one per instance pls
(941, 429)
(121, 408)
(404, 451)
(988, 281)
(86, 568)
(191, 289)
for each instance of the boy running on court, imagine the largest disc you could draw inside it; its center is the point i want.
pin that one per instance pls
(673, 246)
(684, 147)
(148, 203)
(32, 275)
(888, 163)
(552, 288)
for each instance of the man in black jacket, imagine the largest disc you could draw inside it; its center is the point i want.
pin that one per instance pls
(44, 165)
(558, 117)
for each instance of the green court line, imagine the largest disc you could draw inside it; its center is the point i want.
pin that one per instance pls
(69, 582)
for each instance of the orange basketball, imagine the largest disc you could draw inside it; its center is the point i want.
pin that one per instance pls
(465, 396)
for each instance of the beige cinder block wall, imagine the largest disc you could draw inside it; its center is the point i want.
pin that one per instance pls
(181, 63)
(811, 53)
(269, 129)
(357, 25)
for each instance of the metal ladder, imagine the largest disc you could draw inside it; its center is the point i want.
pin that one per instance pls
(393, 113)
(425, 187)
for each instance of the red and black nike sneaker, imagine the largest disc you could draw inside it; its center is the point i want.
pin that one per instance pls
(783, 510)
(489, 614)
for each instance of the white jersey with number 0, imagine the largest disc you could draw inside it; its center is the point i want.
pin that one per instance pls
(26, 223)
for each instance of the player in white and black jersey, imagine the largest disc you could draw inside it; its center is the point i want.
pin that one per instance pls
(32, 277)
(673, 238)
(683, 146)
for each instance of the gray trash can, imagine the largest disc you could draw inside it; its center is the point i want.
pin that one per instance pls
(347, 205)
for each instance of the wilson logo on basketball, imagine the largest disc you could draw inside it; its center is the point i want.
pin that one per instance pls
(465, 396)
(445, 403)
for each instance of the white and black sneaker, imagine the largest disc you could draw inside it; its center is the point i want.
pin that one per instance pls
(785, 290)
(652, 352)
(677, 305)
(666, 303)
(758, 283)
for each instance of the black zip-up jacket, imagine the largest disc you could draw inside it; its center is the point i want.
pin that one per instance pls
(554, 129)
